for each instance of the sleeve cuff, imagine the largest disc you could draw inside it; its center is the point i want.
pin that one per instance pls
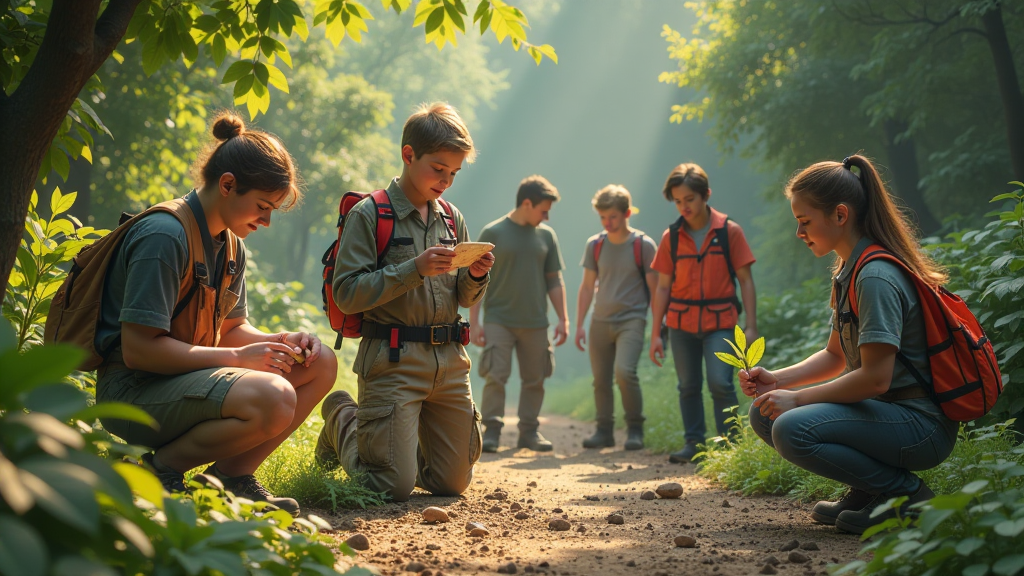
(879, 338)
(145, 318)
(410, 276)
(480, 280)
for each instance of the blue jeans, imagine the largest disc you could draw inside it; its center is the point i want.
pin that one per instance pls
(870, 445)
(688, 350)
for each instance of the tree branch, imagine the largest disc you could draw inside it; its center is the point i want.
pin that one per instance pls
(110, 29)
(871, 18)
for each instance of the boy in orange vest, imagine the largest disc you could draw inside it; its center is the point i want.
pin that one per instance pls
(699, 261)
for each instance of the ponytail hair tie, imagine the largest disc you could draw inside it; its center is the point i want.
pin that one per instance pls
(846, 162)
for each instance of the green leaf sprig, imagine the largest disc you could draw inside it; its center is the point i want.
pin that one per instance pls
(745, 358)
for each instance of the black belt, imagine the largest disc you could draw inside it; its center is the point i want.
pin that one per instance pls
(395, 334)
(905, 393)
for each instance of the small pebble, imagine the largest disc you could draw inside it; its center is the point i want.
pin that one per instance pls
(544, 564)
(768, 569)
(515, 506)
(557, 510)
(509, 568)
(685, 541)
(558, 524)
(648, 495)
(433, 547)
(433, 514)
(522, 515)
(726, 504)
(798, 557)
(616, 519)
(415, 567)
(532, 484)
(809, 546)
(494, 509)
(771, 560)
(670, 490)
(358, 542)
(791, 545)
(591, 498)
(581, 528)
(477, 529)
(631, 563)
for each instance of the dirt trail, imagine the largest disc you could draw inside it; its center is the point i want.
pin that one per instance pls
(584, 487)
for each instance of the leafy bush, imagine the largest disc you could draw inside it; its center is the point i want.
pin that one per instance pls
(50, 244)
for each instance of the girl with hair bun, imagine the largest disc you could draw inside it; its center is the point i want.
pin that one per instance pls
(854, 412)
(173, 332)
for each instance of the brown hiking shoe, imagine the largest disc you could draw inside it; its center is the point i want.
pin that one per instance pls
(338, 409)
(247, 486)
(534, 441)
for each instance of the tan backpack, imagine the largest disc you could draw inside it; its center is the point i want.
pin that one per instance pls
(75, 311)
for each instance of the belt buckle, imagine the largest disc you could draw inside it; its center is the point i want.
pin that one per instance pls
(435, 330)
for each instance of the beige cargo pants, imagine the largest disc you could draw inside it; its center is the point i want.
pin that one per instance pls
(416, 424)
(536, 362)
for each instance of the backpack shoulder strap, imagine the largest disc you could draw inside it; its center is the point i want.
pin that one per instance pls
(723, 241)
(385, 223)
(598, 244)
(673, 238)
(197, 267)
(870, 254)
(638, 256)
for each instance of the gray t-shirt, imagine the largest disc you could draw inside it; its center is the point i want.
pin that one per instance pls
(698, 235)
(621, 293)
(517, 296)
(889, 312)
(145, 275)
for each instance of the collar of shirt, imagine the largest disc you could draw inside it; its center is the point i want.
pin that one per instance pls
(848, 266)
(401, 205)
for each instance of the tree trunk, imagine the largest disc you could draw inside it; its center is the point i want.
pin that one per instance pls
(74, 46)
(1009, 86)
(906, 174)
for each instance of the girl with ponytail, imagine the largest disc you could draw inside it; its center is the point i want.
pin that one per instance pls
(852, 412)
(173, 332)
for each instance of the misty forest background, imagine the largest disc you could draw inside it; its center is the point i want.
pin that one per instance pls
(750, 92)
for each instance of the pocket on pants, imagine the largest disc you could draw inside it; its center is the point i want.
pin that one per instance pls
(475, 438)
(549, 364)
(375, 435)
(485, 362)
(923, 455)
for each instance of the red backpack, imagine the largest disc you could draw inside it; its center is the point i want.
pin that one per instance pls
(965, 376)
(350, 325)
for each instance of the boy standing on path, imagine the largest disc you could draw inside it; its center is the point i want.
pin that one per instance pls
(617, 266)
(415, 423)
(528, 271)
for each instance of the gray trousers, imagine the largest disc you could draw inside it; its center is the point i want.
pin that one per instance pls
(615, 349)
(536, 362)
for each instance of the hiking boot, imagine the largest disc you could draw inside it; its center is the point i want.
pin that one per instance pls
(826, 512)
(634, 437)
(491, 440)
(170, 479)
(534, 441)
(687, 454)
(857, 521)
(247, 486)
(604, 437)
(341, 407)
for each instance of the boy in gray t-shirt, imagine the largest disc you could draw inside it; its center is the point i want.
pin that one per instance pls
(617, 268)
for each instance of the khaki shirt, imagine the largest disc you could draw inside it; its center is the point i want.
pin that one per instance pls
(396, 293)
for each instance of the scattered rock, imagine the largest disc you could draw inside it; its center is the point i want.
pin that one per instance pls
(532, 484)
(791, 545)
(726, 504)
(768, 569)
(495, 509)
(591, 498)
(353, 524)
(544, 564)
(415, 567)
(745, 510)
(581, 528)
(358, 542)
(648, 495)
(616, 519)
(559, 524)
(809, 546)
(631, 563)
(798, 557)
(433, 546)
(685, 541)
(771, 560)
(515, 506)
(670, 490)
(433, 514)
(496, 495)
(557, 510)
(477, 529)
(522, 515)
(509, 568)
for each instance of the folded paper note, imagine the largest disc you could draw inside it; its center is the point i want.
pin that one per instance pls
(468, 252)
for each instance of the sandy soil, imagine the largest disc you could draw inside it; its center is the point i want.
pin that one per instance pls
(734, 534)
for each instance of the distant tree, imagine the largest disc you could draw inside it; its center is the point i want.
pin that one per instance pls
(52, 49)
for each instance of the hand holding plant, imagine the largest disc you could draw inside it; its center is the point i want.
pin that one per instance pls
(753, 381)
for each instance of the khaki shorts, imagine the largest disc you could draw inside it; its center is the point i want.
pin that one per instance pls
(177, 402)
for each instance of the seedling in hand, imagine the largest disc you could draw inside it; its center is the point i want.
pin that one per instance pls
(745, 358)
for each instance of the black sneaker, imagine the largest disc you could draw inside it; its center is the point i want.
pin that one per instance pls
(170, 479)
(491, 439)
(826, 512)
(604, 437)
(634, 438)
(247, 486)
(687, 454)
(857, 521)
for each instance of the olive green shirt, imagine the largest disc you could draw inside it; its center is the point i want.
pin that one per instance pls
(888, 313)
(396, 293)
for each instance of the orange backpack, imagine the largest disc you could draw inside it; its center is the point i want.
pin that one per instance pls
(350, 325)
(965, 376)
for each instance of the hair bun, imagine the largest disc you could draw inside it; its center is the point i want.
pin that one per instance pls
(228, 125)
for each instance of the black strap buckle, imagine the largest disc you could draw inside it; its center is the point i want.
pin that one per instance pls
(440, 334)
